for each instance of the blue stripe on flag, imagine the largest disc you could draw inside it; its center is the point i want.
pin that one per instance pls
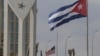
(73, 17)
(63, 8)
(62, 16)
(58, 18)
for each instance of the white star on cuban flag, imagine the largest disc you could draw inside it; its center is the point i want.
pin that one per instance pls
(81, 8)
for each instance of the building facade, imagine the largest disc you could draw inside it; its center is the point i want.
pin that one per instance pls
(1, 26)
(13, 30)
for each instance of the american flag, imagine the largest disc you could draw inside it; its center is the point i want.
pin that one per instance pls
(51, 51)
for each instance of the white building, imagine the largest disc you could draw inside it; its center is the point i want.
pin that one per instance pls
(9, 34)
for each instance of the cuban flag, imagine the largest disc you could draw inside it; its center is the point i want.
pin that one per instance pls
(67, 13)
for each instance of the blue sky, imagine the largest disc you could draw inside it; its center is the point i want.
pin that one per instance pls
(76, 28)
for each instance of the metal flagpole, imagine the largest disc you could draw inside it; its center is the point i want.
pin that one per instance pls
(66, 45)
(87, 28)
(27, 52)
(57, 45)
(87, 36)
(40, 52)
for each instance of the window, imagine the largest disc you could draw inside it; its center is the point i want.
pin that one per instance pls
(26, 37)
(12, 26)
(16, 37)
(16, 48)
(26, 48)
(16, 26)
(2, 26)
(26, 27)
(1, 4)
(12, 47)
(11, 15)
(12, 37)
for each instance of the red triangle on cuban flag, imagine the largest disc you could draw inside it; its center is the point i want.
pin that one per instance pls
(81, 7)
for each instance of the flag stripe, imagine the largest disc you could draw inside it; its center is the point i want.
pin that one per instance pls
(59, 14)
(51, 51)
(66, 20)
(64, 15)
(58, 18)
(63, 8)
(73, 17)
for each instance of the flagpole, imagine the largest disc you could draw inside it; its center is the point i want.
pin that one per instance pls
(27, 52)
(87, 37)
(57, 45)
(87, 29)
(40, 52)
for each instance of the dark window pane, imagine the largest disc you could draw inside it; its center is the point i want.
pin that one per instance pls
(12, 47)
(16, 26)
(12, 37)
(26, 27)
(2, 15)
(16, 37)
(26, 37)
(2, 3)
(16, 48)
(12, 26)
(11, 14)
(16, 19)
(2, 26)
(26, 48)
